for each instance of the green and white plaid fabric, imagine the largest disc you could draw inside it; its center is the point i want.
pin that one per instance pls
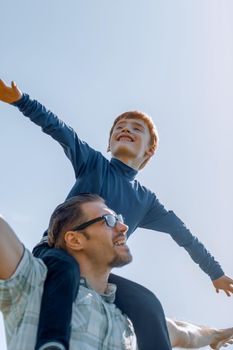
(96, 322)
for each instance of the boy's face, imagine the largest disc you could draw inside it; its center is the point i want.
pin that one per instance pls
(130, 138)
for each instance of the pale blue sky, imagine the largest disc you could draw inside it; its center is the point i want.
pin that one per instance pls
(89, 61)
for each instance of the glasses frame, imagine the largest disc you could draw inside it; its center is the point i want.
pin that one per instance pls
(84, 225)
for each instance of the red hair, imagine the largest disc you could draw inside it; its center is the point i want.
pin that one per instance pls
(154, 137)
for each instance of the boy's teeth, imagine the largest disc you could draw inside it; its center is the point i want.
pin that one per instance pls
(124, 138)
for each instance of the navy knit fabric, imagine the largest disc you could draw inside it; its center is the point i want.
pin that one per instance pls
(116, 183)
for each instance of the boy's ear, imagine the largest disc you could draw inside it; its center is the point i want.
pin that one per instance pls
(73, 240)
(150, 152)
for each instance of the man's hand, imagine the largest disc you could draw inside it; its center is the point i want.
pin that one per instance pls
(225, 283)
(9, 94)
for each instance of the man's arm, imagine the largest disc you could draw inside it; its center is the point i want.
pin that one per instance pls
(78, 152)
(188, 335)
(11, 250)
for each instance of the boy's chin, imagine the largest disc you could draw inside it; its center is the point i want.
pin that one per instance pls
(124, 150)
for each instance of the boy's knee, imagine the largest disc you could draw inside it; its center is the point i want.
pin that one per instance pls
(62, 264)
(140, 301)
(63, 273)
(152, 307)
(147, 300)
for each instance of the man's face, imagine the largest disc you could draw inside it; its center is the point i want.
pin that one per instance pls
(130, 138)
(105, 246)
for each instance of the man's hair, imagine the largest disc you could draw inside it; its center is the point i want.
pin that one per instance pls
(67, 215)
(154, 137)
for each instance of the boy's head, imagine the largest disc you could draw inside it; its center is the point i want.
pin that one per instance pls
(134, 134)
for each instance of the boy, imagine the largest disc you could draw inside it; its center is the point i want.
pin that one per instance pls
(132, 142)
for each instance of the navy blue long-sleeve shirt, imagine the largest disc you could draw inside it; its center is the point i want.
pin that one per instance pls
(116, 183)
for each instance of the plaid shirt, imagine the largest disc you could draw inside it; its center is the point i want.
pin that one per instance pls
(96, 322)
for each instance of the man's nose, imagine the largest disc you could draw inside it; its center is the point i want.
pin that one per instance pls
(122, 227)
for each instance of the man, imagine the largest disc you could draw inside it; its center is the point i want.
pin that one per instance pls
(133, 141)
(95, 236)
(96, 322)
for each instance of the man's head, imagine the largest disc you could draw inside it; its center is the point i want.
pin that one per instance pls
(133, 135)
(87, 229)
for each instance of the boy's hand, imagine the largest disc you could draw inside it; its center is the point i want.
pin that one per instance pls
(9, 94)
(225, 283)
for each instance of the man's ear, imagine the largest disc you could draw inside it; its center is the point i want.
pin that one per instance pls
(74, 240)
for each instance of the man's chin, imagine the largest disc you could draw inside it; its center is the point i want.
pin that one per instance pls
(121, 259)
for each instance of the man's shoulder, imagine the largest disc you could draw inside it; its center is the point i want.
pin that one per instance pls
(25, 284)
(28, 267)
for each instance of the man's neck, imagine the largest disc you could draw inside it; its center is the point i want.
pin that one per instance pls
(96, 278)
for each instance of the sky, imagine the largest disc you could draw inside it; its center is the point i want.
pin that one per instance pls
(89, 61)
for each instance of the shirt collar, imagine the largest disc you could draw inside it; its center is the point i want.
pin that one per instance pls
(108, 296)
(123, 168)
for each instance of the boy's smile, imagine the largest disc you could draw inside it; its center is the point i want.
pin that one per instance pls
(125, 137)
(130, 142)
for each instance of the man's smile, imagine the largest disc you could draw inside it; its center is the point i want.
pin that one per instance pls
(120, 241)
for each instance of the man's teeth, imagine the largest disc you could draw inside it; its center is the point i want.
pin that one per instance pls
(122, 242)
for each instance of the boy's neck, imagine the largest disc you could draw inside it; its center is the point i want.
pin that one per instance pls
(132, 163)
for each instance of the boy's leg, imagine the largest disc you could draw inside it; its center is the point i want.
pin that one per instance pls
(146, 313)
(60, 290)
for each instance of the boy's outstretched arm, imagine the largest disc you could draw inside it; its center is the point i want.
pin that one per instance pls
(76, 150)
(11, 250)
(9, 94)
(224, 283)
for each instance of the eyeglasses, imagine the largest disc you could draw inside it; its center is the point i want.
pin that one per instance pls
(110, 220)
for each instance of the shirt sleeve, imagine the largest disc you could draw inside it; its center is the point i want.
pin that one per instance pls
(29, 275)
(160, 219)
(78, 151)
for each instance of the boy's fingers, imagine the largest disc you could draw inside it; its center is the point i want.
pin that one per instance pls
(14, 86)
(228, 290)
(2, 83)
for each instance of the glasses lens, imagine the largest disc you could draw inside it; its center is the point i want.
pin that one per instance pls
(111, 220)
(120, 218)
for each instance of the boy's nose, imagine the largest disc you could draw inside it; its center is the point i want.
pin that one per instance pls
(126, 129)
